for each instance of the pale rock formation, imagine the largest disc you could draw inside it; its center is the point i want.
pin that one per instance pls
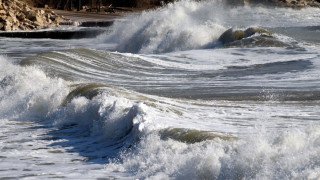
(17, 15)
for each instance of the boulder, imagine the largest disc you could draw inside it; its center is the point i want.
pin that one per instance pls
(9, 19)
(28, 21)
(12, 16)
(31, 15)
(26, 8)
(22, 27)
(7, 26)
(19, 4)
(230, 35)
(39, 19)
(41, 12)
(4, 7)
(252, 30)
(3, 18)
(16, 14)
(2, 12)
(21, 16)
(14, 28)
(58, 19)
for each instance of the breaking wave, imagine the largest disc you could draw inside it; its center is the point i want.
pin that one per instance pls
(248, 109)
(180, 26)
(27, 94)
(154, 137)
(289, 155)
(186, 25)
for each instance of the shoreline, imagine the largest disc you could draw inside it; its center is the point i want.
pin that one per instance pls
(86, 24)
(21, 19)
(54, 34)
(94, 20)
(89, 16)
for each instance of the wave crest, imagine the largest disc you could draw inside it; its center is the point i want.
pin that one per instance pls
(287, 155)
(179, 26)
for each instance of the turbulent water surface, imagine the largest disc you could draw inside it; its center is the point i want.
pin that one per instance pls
(172, 93)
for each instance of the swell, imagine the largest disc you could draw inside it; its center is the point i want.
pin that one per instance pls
(152, 136)
(308, 33)
(28, 94)
(98, 121)
(177, 75)
(223, 115)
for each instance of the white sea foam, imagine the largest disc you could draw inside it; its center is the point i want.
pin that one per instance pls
(288, 155)
(180, 26)
(26, 92)
(263, 149)
(186, 25)
(28, 97)
(107, 116)
(275, 139)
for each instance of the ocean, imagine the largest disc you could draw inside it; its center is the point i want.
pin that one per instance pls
(171, 93)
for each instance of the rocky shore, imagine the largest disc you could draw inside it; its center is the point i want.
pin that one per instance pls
(296, 4)
(17, 15)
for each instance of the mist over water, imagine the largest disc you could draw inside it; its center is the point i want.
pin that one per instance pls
(163, 96)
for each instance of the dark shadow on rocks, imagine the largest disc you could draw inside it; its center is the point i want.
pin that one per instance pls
(55, 34)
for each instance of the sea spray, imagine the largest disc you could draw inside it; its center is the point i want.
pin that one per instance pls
(110, 117)
(239, 112)
(276, 155)
(27, 93)
(179, 26)
(186, 25)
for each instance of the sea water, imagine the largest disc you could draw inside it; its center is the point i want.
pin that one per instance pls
(161, 97)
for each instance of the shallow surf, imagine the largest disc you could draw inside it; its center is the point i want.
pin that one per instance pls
(163, 97)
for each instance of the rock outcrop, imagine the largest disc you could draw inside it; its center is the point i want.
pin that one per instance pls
(296, 3)
(17, 15)
(278, 3)
(251, 38)
(234, 35)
